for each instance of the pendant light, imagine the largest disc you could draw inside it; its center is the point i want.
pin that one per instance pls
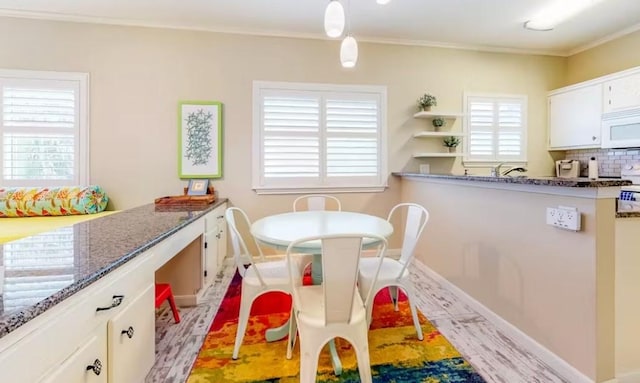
(349, 52)
(334, 19)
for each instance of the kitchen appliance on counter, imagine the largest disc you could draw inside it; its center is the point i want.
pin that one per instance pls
(630, 194)
(568, 168)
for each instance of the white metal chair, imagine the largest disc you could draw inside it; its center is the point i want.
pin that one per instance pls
(317, 202)
(259, 275)
(334, 308)
(394, 273)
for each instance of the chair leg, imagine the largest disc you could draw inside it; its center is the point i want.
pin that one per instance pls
(393, 292)
(293, 333)
(174, 309)
(414, 311)
(361, 347)
(243, 319)
(309, 354)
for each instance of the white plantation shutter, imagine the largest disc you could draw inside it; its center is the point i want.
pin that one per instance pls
(43, 128)
(318, 137)
(496, 128)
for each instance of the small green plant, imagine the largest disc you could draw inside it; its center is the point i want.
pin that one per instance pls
(451, 141)
(438, 122)
(427, 101)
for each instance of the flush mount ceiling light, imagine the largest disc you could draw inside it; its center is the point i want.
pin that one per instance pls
(558, 12)
(349, 52)
(334, 19)
(383, 2)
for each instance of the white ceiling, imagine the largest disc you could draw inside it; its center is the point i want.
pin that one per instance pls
(473, 24)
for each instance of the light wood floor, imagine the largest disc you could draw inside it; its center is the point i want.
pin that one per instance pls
(496, 357)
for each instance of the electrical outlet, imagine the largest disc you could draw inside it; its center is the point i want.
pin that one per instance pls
(564, 217)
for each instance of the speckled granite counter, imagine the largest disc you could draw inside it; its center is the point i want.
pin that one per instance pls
(524, 180)
(37, 275)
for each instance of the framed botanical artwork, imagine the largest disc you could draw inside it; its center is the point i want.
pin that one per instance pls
(200, 139)
(197, 187)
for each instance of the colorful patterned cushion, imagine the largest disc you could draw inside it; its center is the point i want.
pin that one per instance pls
(64, 200)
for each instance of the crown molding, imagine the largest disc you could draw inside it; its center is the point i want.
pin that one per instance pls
(52, 16)
(604, 40)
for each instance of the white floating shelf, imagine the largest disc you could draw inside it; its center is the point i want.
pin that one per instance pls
(438, 134)
(436, 114)
(442, 155)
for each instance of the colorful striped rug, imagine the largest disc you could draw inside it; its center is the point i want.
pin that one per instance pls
(396, 353)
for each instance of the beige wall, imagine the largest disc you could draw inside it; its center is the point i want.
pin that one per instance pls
(627, 291)
(495, 245)
(139, 74)
(622, 53)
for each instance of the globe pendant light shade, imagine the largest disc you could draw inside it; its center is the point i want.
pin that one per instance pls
(349, 52)
(334, 19)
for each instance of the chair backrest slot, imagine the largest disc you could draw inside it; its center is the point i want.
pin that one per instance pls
(340, 259)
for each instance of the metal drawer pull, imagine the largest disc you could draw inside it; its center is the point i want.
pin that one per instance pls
(115, 302)
(96, 367)
(128, 331)
(220, 216)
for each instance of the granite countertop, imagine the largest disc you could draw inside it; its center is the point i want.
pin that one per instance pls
(43, 270)
(525, 180)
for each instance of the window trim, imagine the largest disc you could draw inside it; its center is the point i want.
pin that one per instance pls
(471, 163)
(256, 173)
(83, 164)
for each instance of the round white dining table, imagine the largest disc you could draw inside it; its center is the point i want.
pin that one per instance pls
(280, 230)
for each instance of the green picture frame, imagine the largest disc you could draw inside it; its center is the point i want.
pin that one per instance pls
(199, 139)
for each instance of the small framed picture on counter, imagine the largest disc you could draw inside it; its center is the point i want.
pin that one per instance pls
(198, 186)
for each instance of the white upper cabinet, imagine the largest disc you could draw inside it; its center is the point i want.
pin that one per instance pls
(575, 117)
(622, 93)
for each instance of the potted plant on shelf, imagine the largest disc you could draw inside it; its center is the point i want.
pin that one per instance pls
(426, 101)
(438, 122)
(451, 142)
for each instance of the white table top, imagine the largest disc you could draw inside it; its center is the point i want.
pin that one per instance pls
(282, 229)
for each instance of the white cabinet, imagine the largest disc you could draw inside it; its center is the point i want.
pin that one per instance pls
(87, 365)
(575, 117)
(131, 339)
(215, 243)
(440, 134)
(622, 93)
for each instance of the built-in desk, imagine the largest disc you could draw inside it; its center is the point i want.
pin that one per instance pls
(80, 300)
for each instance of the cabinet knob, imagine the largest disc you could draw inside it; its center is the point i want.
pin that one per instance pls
(593, 138)
(218, 235)
(115, 302)
(129, 332)
(220, 216)
(96, 367)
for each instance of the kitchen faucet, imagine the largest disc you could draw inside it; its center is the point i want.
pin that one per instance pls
(515, 169)
(495, 171)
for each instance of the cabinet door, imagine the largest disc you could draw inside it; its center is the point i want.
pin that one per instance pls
(131, 339)
(88, 364)
(222, 238)
(622, 93)
(210, 259)
(575, 118)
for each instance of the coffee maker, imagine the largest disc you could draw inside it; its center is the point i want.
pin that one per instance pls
(568, 168)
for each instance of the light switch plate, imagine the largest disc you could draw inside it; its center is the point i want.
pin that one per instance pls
(563, 217)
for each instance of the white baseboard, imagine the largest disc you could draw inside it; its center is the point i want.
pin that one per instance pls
(551, 359)
(633, 377)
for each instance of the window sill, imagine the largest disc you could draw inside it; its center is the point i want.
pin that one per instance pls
(309, 190)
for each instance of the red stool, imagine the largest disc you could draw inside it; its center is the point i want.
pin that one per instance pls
(163, 292)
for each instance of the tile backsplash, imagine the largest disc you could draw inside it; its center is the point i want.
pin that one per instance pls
(610, 161)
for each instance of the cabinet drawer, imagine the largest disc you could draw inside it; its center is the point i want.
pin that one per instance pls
(68, 324)
(131, 339)
(87, 365)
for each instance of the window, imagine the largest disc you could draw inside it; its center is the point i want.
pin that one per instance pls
(496, 128)
(319, 138)
(43, 128)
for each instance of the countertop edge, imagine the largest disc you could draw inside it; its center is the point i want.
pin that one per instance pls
(19, 318)
(538, 181)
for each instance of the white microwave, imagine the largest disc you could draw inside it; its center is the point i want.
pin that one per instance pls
(621, 129)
